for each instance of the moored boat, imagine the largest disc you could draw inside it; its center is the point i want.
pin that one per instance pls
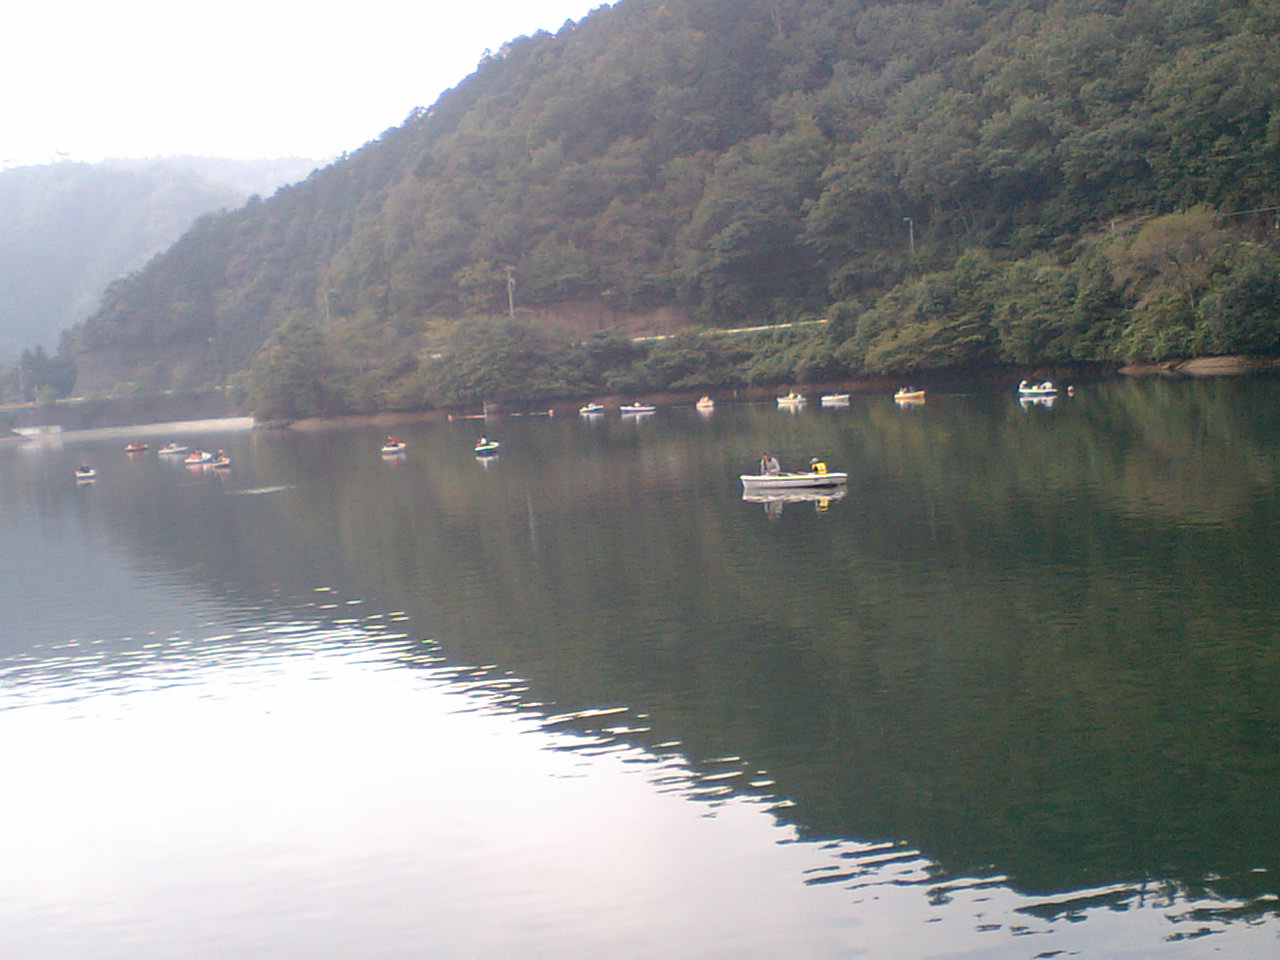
(637, 407)
(834, 400)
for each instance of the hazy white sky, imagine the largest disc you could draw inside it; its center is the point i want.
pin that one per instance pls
(237, 78)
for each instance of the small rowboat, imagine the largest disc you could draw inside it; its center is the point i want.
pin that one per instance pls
(791, 399)
(85, 474)
(171, 450)
(135, 448)
(705, 403)
(637, 407)
(909, 395)
(1043, 389)
(792, 481)
(835, 400)
(591, 409)
(392, 448)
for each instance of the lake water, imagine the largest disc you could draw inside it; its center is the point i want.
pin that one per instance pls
(1015, 694)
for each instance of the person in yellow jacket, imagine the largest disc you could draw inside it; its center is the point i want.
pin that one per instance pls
(817, 466)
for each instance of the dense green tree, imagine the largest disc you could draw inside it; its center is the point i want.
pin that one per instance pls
(496, 359)
(289, 377)
(1239, 313)
(38, 373)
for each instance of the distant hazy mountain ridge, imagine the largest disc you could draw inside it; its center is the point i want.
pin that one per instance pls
(67, 230)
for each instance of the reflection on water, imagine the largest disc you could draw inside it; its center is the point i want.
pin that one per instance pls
(1012, 694)
(775, 500)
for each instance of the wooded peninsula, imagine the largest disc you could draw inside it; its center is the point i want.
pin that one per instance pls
(946, 185)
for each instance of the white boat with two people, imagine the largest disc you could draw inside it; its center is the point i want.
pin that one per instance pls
(637, 407)
(909, 395)
(1045, 388)
(591, 409)
(773, 478)
(791, 399)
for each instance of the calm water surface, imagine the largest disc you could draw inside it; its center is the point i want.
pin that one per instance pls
(1015, 694)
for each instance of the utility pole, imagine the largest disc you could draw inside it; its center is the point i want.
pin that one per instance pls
(511, 292)
(911, 232)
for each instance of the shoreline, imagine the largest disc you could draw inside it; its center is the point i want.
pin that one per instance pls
(1225, 366)
(1191, 368)
(160, 428)
(872, 385)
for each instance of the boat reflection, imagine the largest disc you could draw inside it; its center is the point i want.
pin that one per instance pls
(775, 500)
(1028, 402)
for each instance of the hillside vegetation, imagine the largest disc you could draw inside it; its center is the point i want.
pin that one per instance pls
(67, 230)
(950, 183)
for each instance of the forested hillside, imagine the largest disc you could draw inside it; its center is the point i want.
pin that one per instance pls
(68, 229)
(949, 182)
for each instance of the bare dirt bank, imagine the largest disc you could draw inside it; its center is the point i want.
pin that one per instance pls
(1233, 366)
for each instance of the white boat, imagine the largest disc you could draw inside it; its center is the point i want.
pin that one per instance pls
(392, 447)
(791, 399)
(637, 407)
(171, 450)
(198, 457)
(909, 395)
(835, 400)
(486, 448)
(591, 409)
(705, 403)
(1043, 389)
(792, 481)
(86, 473)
